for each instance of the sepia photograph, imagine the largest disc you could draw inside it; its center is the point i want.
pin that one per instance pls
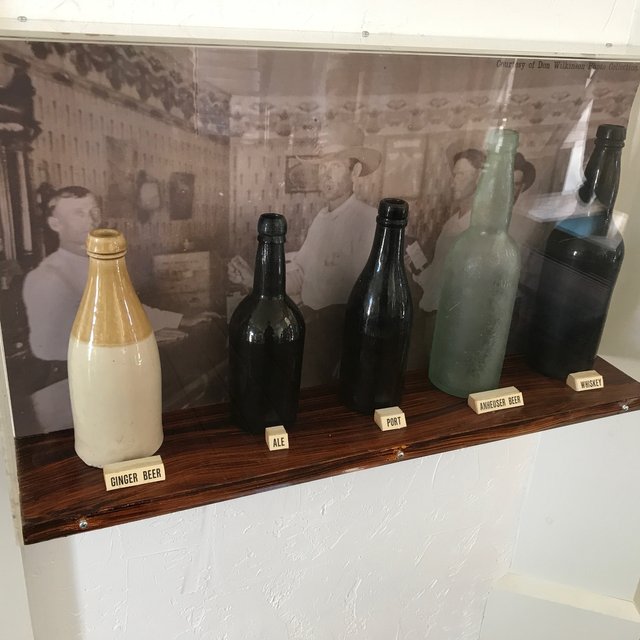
(182, 149)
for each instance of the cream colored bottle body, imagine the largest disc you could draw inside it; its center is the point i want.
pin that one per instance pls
(113, 363)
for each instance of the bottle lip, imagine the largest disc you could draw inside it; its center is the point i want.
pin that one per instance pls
(106, 244)
(498, 139)
(393, 212)
(272, 227)
(611, 134)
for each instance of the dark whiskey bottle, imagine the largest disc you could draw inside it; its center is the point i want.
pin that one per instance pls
(266, 340)
(580, 264)
(378, 319)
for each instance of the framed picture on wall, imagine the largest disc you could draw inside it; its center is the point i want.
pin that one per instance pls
(301, 174)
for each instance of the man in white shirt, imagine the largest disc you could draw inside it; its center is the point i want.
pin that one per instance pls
(467, 166)
(466, 169)
(322, 273)
(339, 239)
(52, 293)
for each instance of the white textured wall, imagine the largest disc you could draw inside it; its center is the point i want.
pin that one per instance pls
(584, 529)
(408, 551)
(577, 560)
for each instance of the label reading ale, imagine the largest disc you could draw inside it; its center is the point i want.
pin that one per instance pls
(585, 380)
(389, 418)
(133, 472)
(276, 437)
(495, 400)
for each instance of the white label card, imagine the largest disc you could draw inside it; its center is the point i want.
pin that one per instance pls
(585, 380)
(390, 418)
(276, 438)
(495, 400)
(130, 473)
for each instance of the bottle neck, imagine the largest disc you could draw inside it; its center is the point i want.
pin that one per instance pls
(601, 179)
(269, 275)
(388, 244)
(116, 269)
(493, 200)
(110, 313)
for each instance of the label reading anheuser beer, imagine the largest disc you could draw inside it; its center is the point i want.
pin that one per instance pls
(495, 400)
(133, 472)
(585, 380)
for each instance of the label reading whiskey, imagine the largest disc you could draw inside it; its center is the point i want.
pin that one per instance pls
(495, 400)
(390, 418)
(133, 472)
(276, 437)
(585, 380)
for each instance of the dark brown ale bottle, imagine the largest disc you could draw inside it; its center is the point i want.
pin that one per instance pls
(580, 264)
(266, 340)
(378, 319)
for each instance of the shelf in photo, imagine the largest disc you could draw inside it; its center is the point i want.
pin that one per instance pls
(208, 460)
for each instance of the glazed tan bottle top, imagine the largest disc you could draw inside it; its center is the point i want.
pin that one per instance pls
(109, 287)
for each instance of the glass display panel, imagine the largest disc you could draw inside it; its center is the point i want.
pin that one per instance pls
(182, 148)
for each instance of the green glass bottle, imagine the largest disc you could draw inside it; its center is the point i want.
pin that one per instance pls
(480, 281)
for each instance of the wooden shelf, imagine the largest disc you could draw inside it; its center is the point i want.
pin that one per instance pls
(207, 460)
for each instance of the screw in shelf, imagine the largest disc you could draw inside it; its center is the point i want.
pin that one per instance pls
(608, 44)
(399, 455)
(365, 34)
(83, 524)
(624, 406)
(22, 18)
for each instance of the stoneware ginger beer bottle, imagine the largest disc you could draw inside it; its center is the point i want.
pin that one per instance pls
(113, 362)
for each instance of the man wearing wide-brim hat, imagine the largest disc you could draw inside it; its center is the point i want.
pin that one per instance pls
(466, 163)
(336, 247)
(343, 140)
(322, 273)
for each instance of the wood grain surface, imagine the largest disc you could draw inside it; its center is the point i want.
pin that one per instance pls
(208, 460)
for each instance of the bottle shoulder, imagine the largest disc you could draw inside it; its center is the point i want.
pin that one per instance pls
(380, 284)
(475, 244)
(110, 312)
(256, 318)
(575, 237)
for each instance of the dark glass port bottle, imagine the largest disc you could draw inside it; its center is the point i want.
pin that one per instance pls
(266, 340)
(378, 319)
(580, 265)
(480, 281)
